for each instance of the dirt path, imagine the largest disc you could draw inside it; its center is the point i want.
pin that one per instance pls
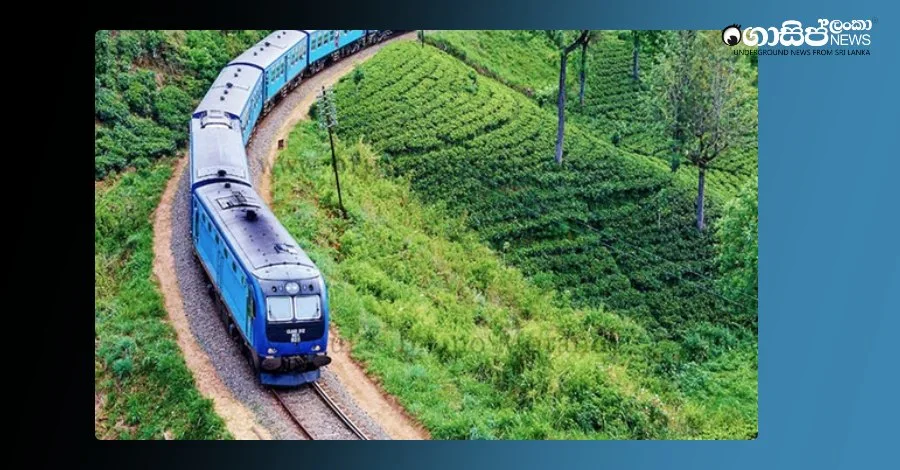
(239, 420)
(369, 396)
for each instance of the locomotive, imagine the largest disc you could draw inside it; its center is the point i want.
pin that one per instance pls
(271, 296)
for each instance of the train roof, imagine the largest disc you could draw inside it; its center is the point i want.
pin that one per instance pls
(263, 53)
(231, 90)
(216, 145)
(263, 244)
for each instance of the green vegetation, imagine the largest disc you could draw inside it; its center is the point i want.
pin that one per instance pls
(146, 83)
(739, 248)
(614, 108)
(141, 383)
(467, 344)
(609, 229)
(524, 60)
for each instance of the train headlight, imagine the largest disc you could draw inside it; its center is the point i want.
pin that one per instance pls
(292, 287)
(316, 347)
(272, 351)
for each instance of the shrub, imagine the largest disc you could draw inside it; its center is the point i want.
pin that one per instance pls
(139, 98)
(170, 106)
(527, 367)
(108, 107)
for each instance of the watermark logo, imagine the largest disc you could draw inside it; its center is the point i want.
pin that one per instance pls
(731, 35)
(793, 34)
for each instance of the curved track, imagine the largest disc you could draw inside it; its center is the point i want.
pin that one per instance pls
(337, 411)
(249, 409)
(297, 416)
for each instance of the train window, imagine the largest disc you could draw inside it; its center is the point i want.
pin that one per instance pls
(217, 239)
(233, 266)
(307, 307)
(225, 253)
(279, 308)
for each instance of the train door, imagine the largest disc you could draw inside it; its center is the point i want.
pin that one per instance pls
(251, 309)
(220, 257)
(195, 227)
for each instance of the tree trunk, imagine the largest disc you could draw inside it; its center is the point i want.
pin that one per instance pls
(561, 106)
(583, 67)
(701, 188)
(636, 67)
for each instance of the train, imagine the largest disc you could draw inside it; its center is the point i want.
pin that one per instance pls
(272, 298)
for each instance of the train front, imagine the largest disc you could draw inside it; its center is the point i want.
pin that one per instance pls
(293, 346)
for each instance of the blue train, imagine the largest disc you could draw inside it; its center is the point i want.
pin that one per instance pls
(272, 298)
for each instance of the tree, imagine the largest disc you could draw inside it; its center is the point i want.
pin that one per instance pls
(559, 38)
(584, 46)
(653, 40)
(738, 260)
(699, 98)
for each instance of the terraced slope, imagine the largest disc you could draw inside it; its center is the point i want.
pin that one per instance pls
(613, 108)
(606, 228)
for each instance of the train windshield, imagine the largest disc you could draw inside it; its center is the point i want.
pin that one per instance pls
(279, 309)
(300, 308)
(307, 308)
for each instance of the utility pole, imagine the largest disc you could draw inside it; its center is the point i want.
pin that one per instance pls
(328, 119)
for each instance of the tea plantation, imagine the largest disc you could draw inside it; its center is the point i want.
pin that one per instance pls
(466, 343)
(614, 102)
(608, 229)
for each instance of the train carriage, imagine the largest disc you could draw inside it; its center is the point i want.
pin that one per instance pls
(271, 57)
(272, 295)
(217, 149)
(237, 91)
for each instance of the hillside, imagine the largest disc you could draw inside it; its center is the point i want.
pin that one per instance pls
(466, 343)
(595, 227)
(608, 229)
(613, 109)
(146, 84)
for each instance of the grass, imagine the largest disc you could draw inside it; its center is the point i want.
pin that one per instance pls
(142, 387)
(467, 343)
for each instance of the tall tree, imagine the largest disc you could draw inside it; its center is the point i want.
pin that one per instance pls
(559, 38)
(652, 40)
(699, 98)
(738, 259)
(583, 72)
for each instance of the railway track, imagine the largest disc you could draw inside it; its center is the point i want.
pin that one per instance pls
(323, 395)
